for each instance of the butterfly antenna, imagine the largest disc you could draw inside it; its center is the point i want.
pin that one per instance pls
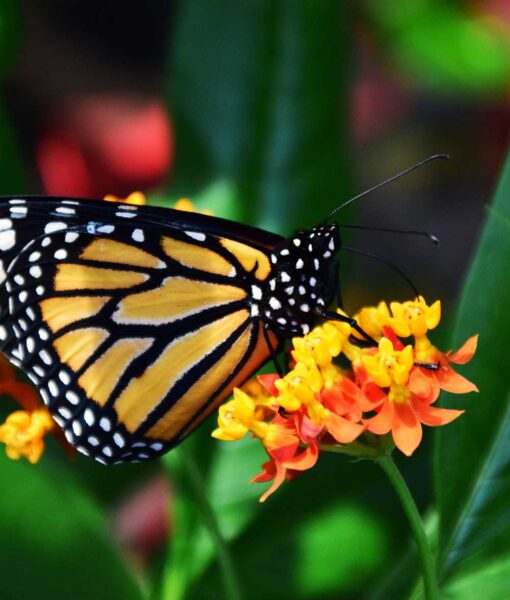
(383, 183)
(430, 236)
(384, 261)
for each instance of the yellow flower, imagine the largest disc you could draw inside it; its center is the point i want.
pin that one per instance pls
(414, 317)
(388, 365)
(372, 319)
(23, 433)
(137, 198)
(322, 344)
(244, 413)
(187, 205)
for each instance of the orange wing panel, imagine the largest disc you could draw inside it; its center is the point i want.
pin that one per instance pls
(143, 394)
(175, 298)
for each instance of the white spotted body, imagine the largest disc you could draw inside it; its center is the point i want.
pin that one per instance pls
(302, 282)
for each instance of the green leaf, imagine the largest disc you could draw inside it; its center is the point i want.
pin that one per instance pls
(490, 580)
(258, 101)
(442, 47)
(55, 541)
(473, 454)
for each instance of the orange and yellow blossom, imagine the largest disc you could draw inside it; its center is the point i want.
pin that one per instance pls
(319, 404)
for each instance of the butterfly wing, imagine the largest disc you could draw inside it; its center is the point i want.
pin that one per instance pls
(134, 322)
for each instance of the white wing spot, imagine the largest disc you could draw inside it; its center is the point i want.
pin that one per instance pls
(92, 440)
(106, 229)
(105, 424)
(107, 451)
(35, 271)
(54, 226)
(7, 239)
(119, 440)
(34, 256)
(39, 290)
(89, 417)
(65, 412)
(284, 276)
(256, 292)
(274, 303)
(60, 254)
(71, 236)
(53, 388)
(45, 357)
(77, 428)
(299, 263)
(196, 235)
(18, 212)
(125, 215)
(138, 235)
(72, 397)
(64, 377)
(63, 210)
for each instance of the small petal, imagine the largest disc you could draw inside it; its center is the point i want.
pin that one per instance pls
(342, 430)
(465, 353)
(382, 422)
(406, 430)
(434, 416)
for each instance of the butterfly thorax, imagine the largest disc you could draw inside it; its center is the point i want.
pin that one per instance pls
(302, 280)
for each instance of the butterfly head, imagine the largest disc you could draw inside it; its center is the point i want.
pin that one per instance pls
(302, 281)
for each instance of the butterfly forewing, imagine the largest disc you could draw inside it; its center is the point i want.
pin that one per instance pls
(133, 322)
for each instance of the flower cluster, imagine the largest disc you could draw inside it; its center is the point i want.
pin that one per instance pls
(341, 394)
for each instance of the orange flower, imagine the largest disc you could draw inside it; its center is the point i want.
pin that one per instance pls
(136, 198)
(24, 430)
(320, 404)
(404, 408)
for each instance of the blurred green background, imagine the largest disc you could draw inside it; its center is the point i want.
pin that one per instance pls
(274, 113)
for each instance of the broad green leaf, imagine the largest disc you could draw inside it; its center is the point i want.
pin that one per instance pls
(438, 45)
(473, 454)
(490, 580)
(257, 99)
(55, 542)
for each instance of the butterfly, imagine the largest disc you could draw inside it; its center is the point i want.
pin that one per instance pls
(135, 322)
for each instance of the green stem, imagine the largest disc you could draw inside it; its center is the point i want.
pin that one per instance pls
(197, 484)
(427, 561)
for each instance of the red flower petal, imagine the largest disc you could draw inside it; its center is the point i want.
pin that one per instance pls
(342, 430)
(267, 381)
(433, 415)
(450, 381)
(381, 423)
(304, 460)
(406, 430)
(465, 353)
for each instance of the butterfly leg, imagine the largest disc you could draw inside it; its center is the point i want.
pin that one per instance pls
(333, 316)
(339, 299)
(274, 358)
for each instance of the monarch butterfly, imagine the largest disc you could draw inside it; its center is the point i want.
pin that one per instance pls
(135, 322)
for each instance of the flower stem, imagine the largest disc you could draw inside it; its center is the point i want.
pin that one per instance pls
(231, 585)
(427, 561)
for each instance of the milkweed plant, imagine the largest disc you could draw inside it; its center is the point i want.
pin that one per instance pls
(339, 394)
